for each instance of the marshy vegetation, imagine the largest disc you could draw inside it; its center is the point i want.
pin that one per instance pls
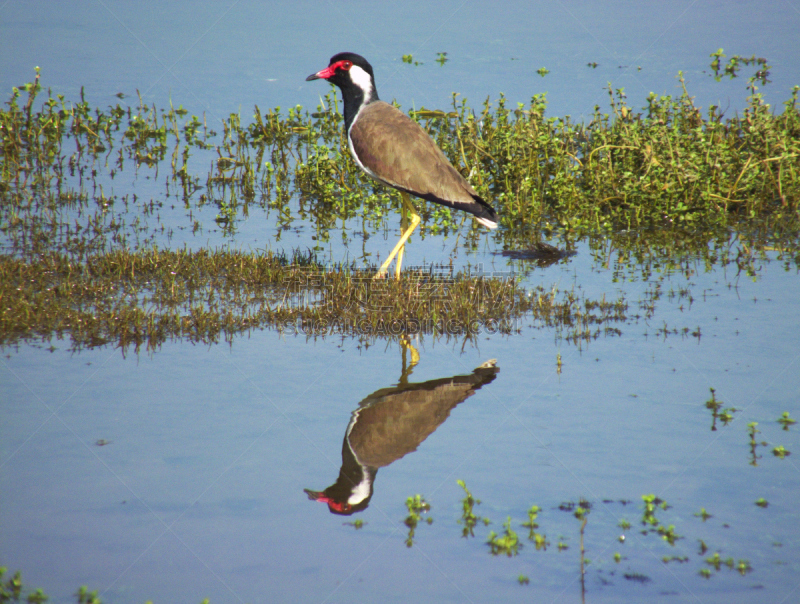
(653, 190)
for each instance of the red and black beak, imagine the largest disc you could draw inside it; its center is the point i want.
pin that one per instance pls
(322, 75)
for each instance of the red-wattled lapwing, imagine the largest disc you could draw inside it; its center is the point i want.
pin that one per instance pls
(395, 150)
(389, 424)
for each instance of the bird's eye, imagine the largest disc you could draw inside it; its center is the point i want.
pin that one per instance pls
(346, 65)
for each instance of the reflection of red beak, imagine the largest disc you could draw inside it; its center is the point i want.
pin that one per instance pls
(316, 496)
(339, 506)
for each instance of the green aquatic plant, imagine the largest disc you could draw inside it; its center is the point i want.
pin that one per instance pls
(650, 504)
(716, 562)
(416, 506)
(668, 533)
(84, 596)
(505, 544)
(468, 517)
(539, 539)
(734, 65)
(533, 514)
(785, 421)
(725, 415)
(662, 165)
(780, 452)
(752, 431)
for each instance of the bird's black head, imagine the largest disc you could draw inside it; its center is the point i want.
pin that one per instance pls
(350, 72)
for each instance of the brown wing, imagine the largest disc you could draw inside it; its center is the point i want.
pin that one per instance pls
(399, 152)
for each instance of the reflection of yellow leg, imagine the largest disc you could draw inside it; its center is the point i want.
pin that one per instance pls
(405, 344)
(415, 220)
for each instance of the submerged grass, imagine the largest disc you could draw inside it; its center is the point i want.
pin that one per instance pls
(146, 298)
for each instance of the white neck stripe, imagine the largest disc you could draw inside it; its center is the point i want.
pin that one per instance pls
(363, 80)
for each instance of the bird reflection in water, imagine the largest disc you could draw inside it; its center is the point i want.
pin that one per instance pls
(390, 423)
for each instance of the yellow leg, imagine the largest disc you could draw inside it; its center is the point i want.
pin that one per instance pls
(403, 227)
(415, 220)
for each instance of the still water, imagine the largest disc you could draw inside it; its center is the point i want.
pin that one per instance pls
(191, 471)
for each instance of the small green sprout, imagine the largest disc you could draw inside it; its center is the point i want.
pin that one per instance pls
(617, 557)
(542, 71)
(761, 502)
(715, 561)
(533, 513)
(441, 58)
(668, 534)
(468, 518)
(703, 514)
(725, 416)
(523, 580)
(649, 516)
(780, 452)
(87, 597)
(416, 506)
(786, 421)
